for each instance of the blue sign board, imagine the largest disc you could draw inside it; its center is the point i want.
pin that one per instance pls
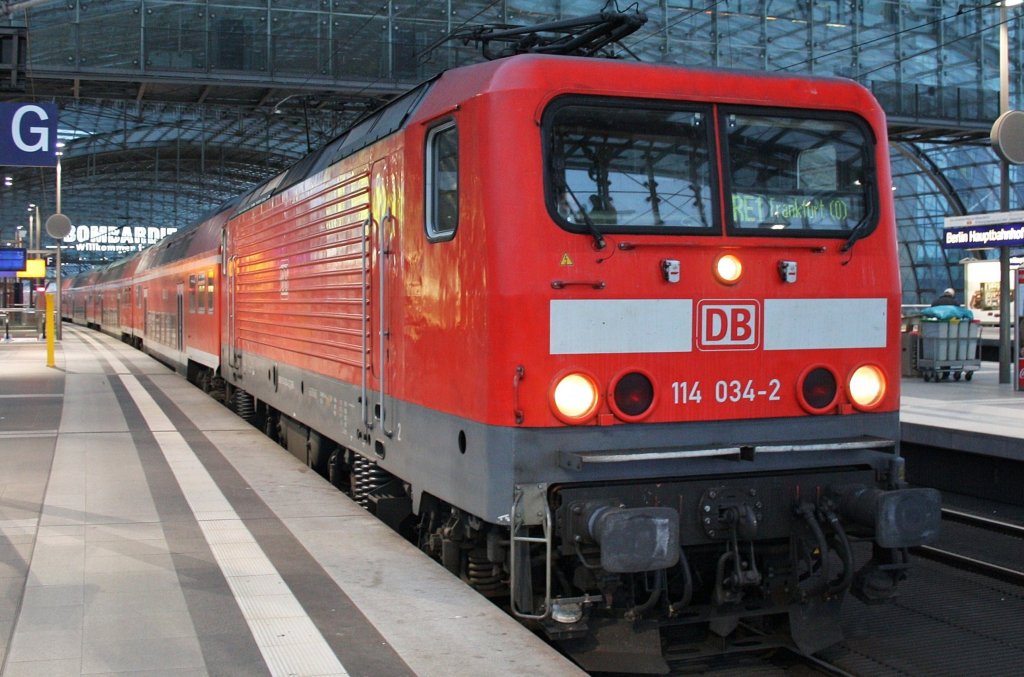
(12, 259)
(984, 231)
(28, 134)
(981, 237)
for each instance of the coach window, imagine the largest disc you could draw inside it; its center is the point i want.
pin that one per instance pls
(202, 291)
(629, 166)
(792, 175)
(191, 293)
(442, 189)
(209, 293)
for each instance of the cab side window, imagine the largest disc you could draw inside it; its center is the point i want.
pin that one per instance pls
(442, 189)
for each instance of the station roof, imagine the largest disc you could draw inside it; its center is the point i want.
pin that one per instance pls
(170, 108)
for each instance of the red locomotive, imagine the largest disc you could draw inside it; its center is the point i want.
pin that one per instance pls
(617, 341)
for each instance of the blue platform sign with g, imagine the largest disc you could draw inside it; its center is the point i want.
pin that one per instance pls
(28, 134)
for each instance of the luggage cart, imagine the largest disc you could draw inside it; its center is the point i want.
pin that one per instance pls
(948, 347)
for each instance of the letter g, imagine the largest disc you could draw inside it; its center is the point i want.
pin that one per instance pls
(44, 133)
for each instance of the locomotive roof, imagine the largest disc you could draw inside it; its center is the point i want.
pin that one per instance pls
(372, 127)
(638, 79)
(579, 75)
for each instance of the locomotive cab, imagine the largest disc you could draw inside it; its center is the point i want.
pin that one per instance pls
(719, 381)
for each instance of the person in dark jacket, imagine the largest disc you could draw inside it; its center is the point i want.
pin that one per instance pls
(946, 299)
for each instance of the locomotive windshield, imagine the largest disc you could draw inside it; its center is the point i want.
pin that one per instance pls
(626, 166)
(632, 169)
(799, 175)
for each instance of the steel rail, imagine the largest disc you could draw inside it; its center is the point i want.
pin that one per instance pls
(967, 563)
(1005, 574)
(822, 664)
(987, 523)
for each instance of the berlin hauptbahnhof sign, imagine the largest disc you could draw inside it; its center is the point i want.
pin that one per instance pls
(28, 135)
(984, 231)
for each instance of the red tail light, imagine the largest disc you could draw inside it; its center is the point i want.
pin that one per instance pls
(632, 396)
(818, 389)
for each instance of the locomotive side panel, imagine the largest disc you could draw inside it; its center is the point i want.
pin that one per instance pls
(297, 317)
(300, 260)
(442, 315)
(312, 346)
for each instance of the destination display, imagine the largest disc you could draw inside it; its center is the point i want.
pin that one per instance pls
(12, 259)
(805, 212)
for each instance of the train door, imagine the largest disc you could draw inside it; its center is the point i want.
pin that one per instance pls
(181, 316)
(228, 271)
(127, 310)
(145, 313)
(386, 361)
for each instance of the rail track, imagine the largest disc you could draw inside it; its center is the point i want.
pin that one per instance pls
(778, 662)
(986, 548)
(1003, 539)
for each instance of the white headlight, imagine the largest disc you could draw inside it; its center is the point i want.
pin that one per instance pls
(867, 386)
(575, 397)
(728, 268)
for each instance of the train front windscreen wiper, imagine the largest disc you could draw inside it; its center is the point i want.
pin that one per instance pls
(587, 221)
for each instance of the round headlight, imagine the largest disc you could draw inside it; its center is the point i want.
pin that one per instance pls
(574, 397)
(818, 390)
(866, 386)
(728, 268)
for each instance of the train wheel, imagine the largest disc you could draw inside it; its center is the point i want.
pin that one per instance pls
(956, 376)
(969, 375)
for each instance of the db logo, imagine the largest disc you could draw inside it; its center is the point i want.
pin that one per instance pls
(728, 325)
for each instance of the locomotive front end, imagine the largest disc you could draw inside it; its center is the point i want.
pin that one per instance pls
(719, 388)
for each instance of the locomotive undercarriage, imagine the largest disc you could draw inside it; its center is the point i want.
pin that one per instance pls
(764, 571)
(610, 571)
(775, 556)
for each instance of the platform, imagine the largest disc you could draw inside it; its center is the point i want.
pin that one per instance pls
(146, 529)
(980, 416)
